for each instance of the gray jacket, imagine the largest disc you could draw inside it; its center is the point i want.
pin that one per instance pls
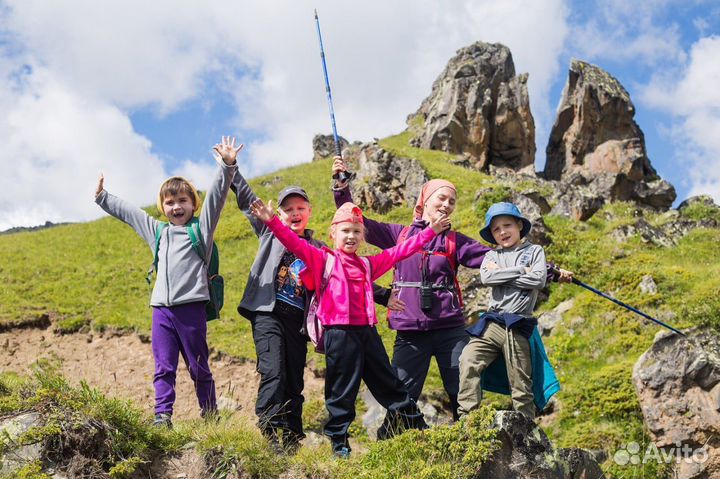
(181, 273)
(514, 290)
(259, 295)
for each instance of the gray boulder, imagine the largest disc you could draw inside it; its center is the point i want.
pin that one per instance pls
(324, 146)
(526, 452)
(678, 385)
(478, 107)
(595, 136)
(384, 180)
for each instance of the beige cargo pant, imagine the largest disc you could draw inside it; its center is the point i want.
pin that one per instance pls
(480, 352)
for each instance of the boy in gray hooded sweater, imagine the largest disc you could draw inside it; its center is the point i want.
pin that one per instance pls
(179, 319)
(516, 271)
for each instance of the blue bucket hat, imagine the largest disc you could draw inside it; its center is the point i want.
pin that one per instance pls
(503, 209)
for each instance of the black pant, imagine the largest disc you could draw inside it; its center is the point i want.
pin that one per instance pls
(354, 353)
(281, 351)
(414, 349)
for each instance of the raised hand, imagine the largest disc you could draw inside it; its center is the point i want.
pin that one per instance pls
(100, 186)
(227, 151)
(440, 223)
(262, 211)
(338, 165)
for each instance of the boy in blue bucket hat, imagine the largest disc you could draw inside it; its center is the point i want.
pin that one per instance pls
(505, 353)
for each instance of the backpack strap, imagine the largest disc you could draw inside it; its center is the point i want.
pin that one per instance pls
(158, 234)
(329, 264)
(193, 230)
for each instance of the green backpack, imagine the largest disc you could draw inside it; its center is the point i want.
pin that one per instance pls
(216, 283)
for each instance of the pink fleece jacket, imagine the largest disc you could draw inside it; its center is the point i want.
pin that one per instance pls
(334, 304)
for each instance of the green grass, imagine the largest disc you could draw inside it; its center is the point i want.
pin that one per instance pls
(93, 274)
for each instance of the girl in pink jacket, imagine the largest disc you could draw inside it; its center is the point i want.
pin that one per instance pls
(353, 348)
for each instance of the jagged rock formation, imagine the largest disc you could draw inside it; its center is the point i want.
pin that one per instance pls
(479, 108)
(384, 180)
(595, 141)
(526, 452)
(324, 146)
(678, 384)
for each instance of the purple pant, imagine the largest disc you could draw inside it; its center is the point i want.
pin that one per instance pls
(181, 329)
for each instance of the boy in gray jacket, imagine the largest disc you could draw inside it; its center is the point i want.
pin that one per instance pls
(516, 271)
(179, 320)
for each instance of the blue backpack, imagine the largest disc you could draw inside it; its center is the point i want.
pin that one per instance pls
(216, 283)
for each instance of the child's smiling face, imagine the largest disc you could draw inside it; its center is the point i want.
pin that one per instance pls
(348, 236)
(178, 208)
(506, 230)
(295, 213)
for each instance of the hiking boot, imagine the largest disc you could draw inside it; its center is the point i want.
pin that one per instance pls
(273, 440)
(342, 453)
(211, 416)
(291, 442)
(163, 420)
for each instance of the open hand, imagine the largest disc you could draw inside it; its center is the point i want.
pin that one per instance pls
(394, 303)
(100, 186)
(227, 151)
(440, 223)
(338, 165)
(262, 211)
(491, 265)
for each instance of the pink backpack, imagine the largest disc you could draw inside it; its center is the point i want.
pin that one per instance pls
(313, 327)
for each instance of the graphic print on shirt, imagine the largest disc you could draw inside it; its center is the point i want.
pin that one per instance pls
(288, 286)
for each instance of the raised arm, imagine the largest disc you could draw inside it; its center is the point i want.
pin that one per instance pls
(143, 224)
(217, 193)
(382, 235)
(535, 276)
(382, 262)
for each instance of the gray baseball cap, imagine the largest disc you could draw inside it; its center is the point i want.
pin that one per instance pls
(292, 191)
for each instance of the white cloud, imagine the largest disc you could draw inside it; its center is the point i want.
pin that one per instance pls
(93, 63)
(690, 94)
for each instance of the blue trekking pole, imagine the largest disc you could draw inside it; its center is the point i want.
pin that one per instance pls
(343, 176)
(626, 306)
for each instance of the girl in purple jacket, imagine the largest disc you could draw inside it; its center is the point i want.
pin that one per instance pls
(429, 320)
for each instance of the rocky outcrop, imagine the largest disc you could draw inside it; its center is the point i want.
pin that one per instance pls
(526, 452)
(324, 146)
(479, 108)
(678, 384)
(548, 320)
(384, 180)
(595, 138)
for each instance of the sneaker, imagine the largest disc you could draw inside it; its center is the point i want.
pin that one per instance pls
(342, 453)
(273, 440)
(163, 420)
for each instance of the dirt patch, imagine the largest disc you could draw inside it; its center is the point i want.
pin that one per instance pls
(122, 366)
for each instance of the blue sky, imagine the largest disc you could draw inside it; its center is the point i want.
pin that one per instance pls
(141, 90)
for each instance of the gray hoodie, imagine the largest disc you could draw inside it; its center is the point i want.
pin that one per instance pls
(514, 290)
(181, 273)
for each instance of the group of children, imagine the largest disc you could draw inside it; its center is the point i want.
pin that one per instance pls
(293, 270)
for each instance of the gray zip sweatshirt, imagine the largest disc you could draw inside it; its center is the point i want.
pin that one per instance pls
(514, 290)
(181, 273)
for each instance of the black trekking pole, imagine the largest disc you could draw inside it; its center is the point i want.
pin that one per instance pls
(343, 176)
(626, 306)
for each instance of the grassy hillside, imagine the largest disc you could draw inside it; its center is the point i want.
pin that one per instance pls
(93, 274)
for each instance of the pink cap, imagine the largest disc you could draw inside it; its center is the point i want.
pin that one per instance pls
(348, 212)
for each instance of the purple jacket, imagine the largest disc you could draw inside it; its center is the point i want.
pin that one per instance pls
(446, 312)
